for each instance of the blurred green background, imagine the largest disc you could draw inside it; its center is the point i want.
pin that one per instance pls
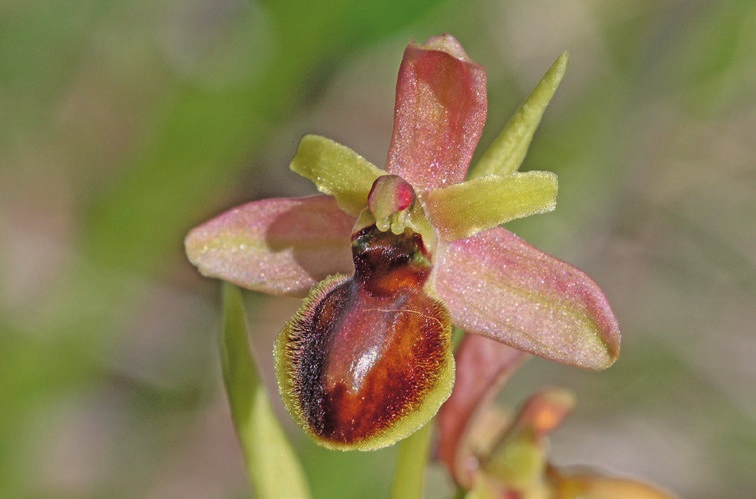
(126, 123)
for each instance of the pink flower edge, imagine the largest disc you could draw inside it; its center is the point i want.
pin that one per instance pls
(499, 286)
(281, 246)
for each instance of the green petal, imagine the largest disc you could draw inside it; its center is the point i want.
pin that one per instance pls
(336, 170)
(461, 210)
(508, 150)
(273, 467)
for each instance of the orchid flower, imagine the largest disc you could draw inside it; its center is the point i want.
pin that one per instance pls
(491, 454)
(391, 259)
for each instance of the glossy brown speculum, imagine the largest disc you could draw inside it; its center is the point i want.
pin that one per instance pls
(365, 351)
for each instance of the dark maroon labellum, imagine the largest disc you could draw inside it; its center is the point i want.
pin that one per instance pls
(365, 351)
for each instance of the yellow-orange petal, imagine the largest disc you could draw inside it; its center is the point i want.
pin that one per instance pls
(590, 485)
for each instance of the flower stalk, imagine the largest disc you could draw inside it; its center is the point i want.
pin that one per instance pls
(272, 465)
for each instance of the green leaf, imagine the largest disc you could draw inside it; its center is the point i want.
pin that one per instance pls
(273, 467)
(410, 464)
(506, 153)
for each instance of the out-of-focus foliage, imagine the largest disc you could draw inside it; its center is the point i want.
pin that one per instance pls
(125, 123)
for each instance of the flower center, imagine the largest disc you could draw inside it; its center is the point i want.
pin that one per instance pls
(393, 206)
(386, 263)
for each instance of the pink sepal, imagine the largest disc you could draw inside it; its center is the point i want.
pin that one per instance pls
(439, 114)
(281, 246)
(497, 285)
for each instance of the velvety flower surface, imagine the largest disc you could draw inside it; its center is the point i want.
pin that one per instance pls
(410, 250)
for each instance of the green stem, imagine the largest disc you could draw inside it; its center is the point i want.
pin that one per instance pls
(272, 465)
(410, 465)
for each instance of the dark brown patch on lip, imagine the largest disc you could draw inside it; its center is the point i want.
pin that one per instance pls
(365, 352)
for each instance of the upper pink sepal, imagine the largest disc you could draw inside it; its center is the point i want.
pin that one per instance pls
(439, 114)
(279, 246)
(497, 285)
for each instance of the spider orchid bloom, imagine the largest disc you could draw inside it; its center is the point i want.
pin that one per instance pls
(392, 259)
(491, 454)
